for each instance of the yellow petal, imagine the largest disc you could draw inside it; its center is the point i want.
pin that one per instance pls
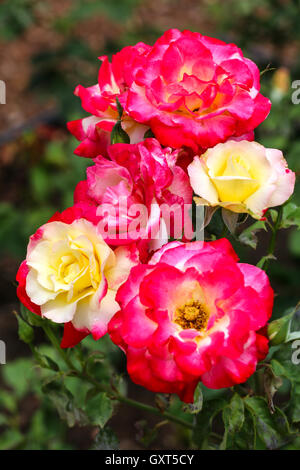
(236, 167)
(234, 189)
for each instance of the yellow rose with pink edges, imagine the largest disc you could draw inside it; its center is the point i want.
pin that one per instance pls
(242, 177)
(71, 276)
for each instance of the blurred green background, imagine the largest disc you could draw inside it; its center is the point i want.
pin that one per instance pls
(47, 48)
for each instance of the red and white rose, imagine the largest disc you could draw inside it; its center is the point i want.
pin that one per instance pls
(100, 101)
(196, 91)
(193, 313)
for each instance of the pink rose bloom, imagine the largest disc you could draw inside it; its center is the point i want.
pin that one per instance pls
(192, 314)
(71, 276)
(196, 91)
(139, 194)
(100, 102)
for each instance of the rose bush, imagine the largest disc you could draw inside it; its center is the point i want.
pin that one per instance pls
(188, 315)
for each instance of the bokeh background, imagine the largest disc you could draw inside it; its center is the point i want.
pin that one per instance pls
(47, 47)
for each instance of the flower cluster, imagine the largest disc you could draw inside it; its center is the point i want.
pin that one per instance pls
(184, 111)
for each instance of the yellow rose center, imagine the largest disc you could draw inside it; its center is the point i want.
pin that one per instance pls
(236, 166)
(235, 182)
(78, 267)
(193, 314)
(70, 269)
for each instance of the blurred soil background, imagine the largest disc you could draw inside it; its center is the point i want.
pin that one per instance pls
(47, 47)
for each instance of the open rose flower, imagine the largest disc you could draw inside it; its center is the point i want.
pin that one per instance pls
(193, 313)
(242, 177)
(70, 275)
(100, 101)
(196, 91)
(141, 193)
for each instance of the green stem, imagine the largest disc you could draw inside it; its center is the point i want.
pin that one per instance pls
(153, 410)
(273, 237)
(53, 339)
(102, 388)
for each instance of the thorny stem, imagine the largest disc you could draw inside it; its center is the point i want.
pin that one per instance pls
(114, 394)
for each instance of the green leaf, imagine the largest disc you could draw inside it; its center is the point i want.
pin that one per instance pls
(93, 360)
(106, 440)
(79, 390)
(63, 401)
(284, 367)
(25, 331)
(52, 365)
(118, 135)
(99, 409)
(19, 375)
(119, 108)
(44, 361)
(273, 430)
(245, 438)
(233, 418)
(32, 318)
(204, 421)
(290, 216)
(196, 407)
(234, 414)
(248, 236)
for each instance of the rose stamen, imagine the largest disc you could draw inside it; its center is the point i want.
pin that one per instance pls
(193, 314)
